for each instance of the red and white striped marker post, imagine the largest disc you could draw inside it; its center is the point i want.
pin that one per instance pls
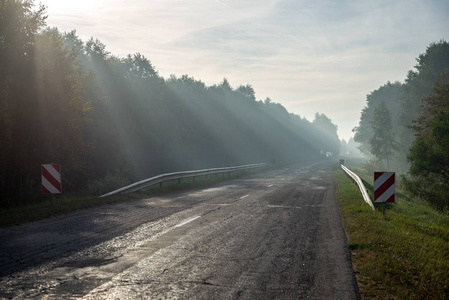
(384, 187)
(51, 179)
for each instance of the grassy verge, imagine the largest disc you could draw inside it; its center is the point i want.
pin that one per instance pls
(404, 255)
(64, 204)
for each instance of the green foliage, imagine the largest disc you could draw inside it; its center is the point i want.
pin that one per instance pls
(349, 148)
(419, 85)
(328, 137)
(389, 94)
(45, 100)
(371, 166)
(404, 103)
(382, 142)
(110, 182)
(61, 111)
(19, 25)
(440, 126)
(429, 154)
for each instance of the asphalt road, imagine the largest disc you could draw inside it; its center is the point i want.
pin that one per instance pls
(274, 235)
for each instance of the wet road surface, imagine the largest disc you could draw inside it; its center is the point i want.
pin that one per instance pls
(274, 235)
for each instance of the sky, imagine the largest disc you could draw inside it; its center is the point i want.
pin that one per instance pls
(310, 56)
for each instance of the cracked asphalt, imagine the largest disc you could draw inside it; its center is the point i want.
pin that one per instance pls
(273, 235)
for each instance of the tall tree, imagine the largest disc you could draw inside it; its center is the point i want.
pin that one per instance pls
(344, 147)
(139, 67)
(353, 148)
(418, 85)
(390, 94)
(429, 154)
(247, 91)
(329, 141)
(56, 116)
(19, 26)
(382, 142)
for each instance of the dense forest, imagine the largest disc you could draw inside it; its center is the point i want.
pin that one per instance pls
(405, 126)
(109, 120)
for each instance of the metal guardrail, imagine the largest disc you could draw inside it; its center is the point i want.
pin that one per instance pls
(178, 175)
(360, 184)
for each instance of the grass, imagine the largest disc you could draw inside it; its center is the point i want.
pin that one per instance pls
(65, 204)
(404, 255)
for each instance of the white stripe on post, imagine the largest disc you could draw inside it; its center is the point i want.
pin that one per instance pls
(51, 179)
(49, 186)
(384, 187)
(386, 195)
(53, 172)
(381, 180)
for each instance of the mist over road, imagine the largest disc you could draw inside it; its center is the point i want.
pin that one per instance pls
(277, 234)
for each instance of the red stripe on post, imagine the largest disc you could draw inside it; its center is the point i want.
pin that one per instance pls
(45, 191)
(385, 186)
(377, 175)
(57, 168)
(53, 181)
(391, 199)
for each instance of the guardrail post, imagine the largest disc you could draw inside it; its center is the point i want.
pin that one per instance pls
(179, 180)
(356, 179)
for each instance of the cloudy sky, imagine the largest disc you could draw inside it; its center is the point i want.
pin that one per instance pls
(310, 56)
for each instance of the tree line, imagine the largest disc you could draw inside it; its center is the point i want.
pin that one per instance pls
(405, 126)
(109, 120)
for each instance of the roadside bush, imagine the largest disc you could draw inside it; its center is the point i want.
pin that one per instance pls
(429, 189)
(110, 182)
(373, 165)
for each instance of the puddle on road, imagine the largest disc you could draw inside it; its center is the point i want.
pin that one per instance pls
(216, 189)
(90, 262)
(319, 188)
